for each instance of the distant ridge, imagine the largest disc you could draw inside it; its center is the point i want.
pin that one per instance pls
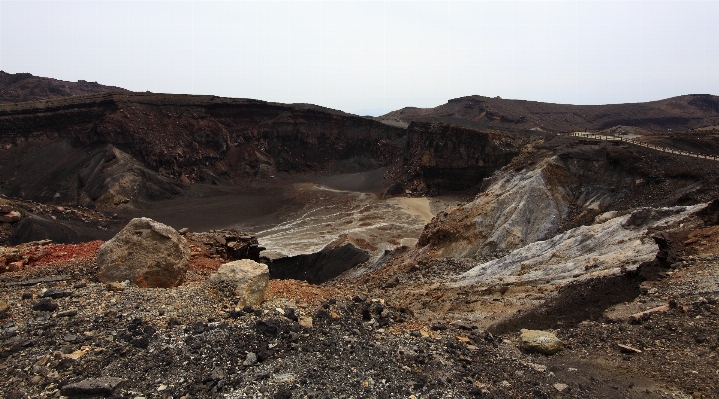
(22, 87)
(677, 113)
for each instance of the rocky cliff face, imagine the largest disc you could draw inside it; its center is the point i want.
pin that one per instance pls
(112, 149)
(204, 137)
(442, 157)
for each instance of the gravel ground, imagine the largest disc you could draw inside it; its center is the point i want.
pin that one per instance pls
(186, 342)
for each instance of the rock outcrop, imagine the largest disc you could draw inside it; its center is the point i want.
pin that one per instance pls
(559, 185)
(230, 244)
(145, 252)
(582, 252)
(246, 279)
(319, 267)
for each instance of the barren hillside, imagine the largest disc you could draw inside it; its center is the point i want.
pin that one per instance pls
(22, 87)
(676, 113)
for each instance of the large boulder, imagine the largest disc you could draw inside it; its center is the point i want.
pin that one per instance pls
(243, 278)
(145, 252)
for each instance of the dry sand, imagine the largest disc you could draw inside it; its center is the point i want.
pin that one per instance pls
(414, 206)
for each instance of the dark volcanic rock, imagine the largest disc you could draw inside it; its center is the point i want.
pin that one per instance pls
(55, 293)
(45, 305)
(320, 266)
(92, 386)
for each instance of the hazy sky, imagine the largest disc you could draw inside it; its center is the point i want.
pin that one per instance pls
(370, 57)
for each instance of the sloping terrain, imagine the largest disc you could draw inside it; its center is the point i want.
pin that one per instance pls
(22, 87)
(677, 113)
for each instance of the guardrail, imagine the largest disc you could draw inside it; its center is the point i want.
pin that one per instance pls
(647, 145)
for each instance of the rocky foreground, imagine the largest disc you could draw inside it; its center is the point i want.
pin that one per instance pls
(64, 333)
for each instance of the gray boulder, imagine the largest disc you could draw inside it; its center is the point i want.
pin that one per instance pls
(145, 252)
(540, 341)
(245, 279)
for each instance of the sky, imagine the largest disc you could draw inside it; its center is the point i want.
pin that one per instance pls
(371, 57)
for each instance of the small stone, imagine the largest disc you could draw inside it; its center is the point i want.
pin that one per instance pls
(628, 349)
(540, 341)
(284, 378)
(4, 306)
(359, 298)
(67, 313)
(290, 314)
(538, 367)
(142, 343)
(561, 387)
(92, 386)
(162, 387)
(10, 217)
(45, 305)
(116, 286)
(251, 359)
(305, 322)
(14, 266)
(55, 293)
(26, 295)
(70, 338)
(75, 355)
